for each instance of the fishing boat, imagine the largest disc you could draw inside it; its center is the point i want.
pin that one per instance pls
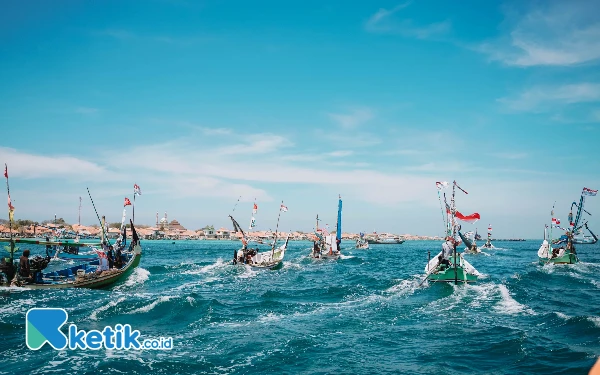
(566, 252)
(253, 257)
(488, 242)
(385, 240)
(326, 245)
(470, 246)
(94, 274)
(449, 265)
(361, 243)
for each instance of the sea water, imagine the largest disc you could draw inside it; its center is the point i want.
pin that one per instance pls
(361, 314)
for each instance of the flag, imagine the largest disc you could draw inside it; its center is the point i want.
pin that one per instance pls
(252, 222)
(589, 192)
(555, 221)
(255, 209)
(5, 170)
(441, 185)
(283, 208)
(127, 202)
(490, 228)
(136, 189)
(468, 218)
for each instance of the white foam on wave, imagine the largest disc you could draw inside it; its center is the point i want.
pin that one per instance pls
(137, 277)
(342, 256)
(208, 268)
(112, 303)
(562, 316)
(149, 307)
(509, 305)
(595, 320)
(248, 272)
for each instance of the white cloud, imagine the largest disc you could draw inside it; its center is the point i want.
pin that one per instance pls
(352, 120)
(383, 22)
(542, 98)
(341, 153)
(553, 33)
(25, 165)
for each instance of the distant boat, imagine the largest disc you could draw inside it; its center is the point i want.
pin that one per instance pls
(566, 253)
(361, 242)
(327, 246)
(385, 240)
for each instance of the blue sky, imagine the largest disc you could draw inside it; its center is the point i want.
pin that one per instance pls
(200, 102)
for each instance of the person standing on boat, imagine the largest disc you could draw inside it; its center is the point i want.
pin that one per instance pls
(447, 250)
(24, 270)
(110, 256)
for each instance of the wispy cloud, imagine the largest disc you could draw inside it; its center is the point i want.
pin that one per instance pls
(558, 33)
(341, 153)
(353, 119)
(383, 21)
(543, 98)
(26, 165)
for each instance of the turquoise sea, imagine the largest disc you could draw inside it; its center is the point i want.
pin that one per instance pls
(362, 314)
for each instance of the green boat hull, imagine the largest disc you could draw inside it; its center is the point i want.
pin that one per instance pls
(565, 259)
(448, 275)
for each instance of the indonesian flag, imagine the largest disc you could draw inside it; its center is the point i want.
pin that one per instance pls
(255, 209)
(490, 228)
(441, 185)
(468, 218)
(283, 208)
(590, 192)
(555, 221)
(136, 189)
(127, 202)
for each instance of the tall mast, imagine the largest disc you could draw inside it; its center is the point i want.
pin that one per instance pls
(10, 217)
(453, 210)
(276, 230)
(79, 218)
(317, 228)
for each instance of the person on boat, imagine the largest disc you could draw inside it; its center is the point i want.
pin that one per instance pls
(474, 248)
(447, 250)
(118, 258)
(110, 256)
(24, 270)
(337, 242)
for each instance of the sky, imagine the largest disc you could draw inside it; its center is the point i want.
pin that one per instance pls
(203, 102)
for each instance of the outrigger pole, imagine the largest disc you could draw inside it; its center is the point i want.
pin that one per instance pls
(453, 210)
(98, 216)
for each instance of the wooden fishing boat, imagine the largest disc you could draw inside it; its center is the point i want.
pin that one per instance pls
(328, 246)
(253, 257)
(92, 274)
(450, 266)
(566, 253)
(362, 243)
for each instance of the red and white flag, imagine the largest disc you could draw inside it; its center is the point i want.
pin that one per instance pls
(136, 189)
(555, 221)
(127, 202)
(441, 185)
(467, 218)
(490, 228)
(255, 209)
(589, 192)
(283, 208)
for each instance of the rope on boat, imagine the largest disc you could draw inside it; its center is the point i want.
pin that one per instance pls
(98, 216)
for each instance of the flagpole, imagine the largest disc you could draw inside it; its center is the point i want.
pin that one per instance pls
(12, 243)
(133, 207)
(276, 230)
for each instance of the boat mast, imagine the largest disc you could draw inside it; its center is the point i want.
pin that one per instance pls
(10, 218)
(276, 230)
(453, 210)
